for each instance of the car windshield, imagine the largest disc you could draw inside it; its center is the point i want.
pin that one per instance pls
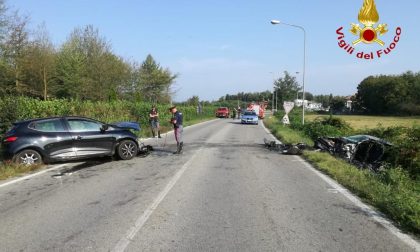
(248, 113)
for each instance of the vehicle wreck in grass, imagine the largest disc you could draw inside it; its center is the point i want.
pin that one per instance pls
(362, 150)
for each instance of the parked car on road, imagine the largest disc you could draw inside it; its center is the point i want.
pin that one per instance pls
(68, 138)
(222, 112)
(249, 117)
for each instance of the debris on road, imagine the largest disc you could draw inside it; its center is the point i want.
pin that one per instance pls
(287, 149)
(362, 150)
(144, 150)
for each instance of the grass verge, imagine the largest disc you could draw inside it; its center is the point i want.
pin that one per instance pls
(392, 191)
(9, 169)
(286, 134)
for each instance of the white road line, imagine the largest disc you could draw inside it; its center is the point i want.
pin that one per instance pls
(125, 241)
(131, 233)
(31, 175)
(365, 208)
(269, 133)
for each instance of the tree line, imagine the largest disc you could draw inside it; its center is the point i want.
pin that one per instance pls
(389, 94)
(83, 67)
(376, 95)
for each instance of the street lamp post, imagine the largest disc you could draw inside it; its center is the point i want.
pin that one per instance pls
(276, 22)
(274, 92)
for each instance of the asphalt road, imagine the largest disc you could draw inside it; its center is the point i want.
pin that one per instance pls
(225, 193)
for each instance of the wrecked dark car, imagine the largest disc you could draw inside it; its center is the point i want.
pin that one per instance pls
(362, 150)
(69, 138)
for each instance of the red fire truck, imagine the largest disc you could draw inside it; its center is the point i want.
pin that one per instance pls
(259, 108)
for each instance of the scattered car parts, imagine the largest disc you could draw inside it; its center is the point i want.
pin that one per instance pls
(287, 149)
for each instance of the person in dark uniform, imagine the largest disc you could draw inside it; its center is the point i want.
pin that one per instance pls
(154, 121)
(177, 120)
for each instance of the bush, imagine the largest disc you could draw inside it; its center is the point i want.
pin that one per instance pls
(14, 109)
(321, 127)
(405, 151)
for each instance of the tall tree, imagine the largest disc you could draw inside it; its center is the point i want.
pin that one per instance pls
(40, 63)
(87, 68)
(153, 81)
(6, 77)
(382, 94)
(286, 88)
(14, 46)
(194, 100)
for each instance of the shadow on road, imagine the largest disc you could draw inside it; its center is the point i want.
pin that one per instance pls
(87, 164)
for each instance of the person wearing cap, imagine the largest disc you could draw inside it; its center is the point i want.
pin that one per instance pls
(177, 120)
(154, 121)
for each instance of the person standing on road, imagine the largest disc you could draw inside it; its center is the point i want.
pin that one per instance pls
(177, 120)
(154, 121)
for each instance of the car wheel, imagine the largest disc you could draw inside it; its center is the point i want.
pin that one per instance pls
(28, 157)
(127, 149)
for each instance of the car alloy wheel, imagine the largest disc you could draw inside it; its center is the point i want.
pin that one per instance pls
(127, 149)
(28, 157)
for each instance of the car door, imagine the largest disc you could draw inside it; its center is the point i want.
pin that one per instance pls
(89, 139)
(53, 138)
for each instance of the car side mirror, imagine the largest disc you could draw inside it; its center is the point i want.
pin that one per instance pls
(104, 127)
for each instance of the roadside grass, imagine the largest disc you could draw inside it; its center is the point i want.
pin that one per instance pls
(9, 169)
(391, 191)
(286, 134)
(369, 122)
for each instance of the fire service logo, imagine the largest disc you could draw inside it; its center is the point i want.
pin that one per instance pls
(369, 32)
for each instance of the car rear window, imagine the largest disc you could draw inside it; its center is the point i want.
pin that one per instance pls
(54, 125)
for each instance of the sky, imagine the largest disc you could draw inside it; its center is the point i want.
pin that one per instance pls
(223, 47)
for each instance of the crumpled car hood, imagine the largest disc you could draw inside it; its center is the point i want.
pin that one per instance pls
(127, 125)
(362, 138)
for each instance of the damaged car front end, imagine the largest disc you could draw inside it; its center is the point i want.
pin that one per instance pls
(362, 150)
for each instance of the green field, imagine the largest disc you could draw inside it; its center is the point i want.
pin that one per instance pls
(370, 122)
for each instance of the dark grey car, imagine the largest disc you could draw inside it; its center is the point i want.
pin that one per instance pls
(68, 138)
